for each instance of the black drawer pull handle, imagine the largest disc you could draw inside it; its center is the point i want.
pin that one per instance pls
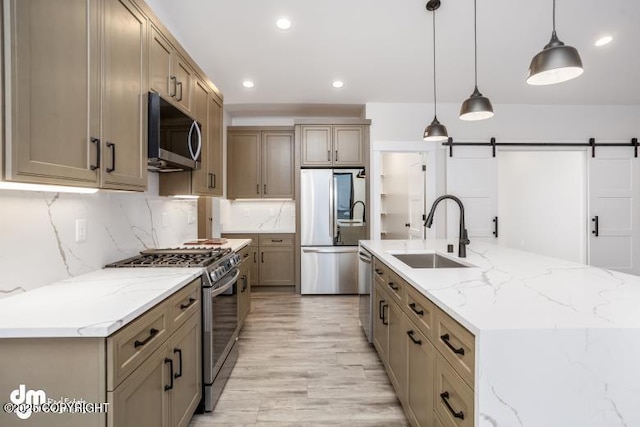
(415, 341)
(246, 255)
(393, 286)
(416, 311)
(189, 304)
(152, 333)
(254, 257)
(180, 98)
(384, 321)
(378, 271)
(179, 351)
(276, 240)
(97, 142)
(113, 156)
(446, 338)
(445, 398)
(174, 79)
(596, 221)
(170, 362)
(380, 309)
(495, 228)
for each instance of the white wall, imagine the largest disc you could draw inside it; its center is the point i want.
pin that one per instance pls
(542, 202)
(37, 232)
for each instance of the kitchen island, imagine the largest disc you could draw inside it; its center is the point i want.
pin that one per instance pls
(557, 343)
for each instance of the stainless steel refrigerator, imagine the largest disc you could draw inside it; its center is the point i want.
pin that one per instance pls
(332, 221)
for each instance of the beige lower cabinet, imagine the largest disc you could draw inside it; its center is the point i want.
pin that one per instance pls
(244, 284)
(149, 371)
(428, 356)
(420, 376)
(271, 258)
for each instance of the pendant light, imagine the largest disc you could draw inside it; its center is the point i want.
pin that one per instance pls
(556, 62)
(476, 107)
(435, 131)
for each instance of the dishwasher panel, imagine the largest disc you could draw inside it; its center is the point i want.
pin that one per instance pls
(329, 270)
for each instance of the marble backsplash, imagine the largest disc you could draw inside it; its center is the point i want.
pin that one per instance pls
(38, 232)
(257, 216)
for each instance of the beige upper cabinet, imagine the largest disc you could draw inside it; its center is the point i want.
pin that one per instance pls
(54, 56)
(333, 145)
(91, 57)
(260, 163)
(170, 75)
(124, 111)
(215, 178)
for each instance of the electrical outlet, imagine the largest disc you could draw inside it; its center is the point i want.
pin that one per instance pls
(246, 213)
(81, 230)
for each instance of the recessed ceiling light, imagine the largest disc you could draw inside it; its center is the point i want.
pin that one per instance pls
(603, 40)
(283, 23)
(337, 84)
(248, 84)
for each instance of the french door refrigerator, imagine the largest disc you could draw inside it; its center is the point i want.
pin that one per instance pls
(332, 220)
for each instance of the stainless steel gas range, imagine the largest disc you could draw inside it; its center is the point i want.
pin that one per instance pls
(220, 325)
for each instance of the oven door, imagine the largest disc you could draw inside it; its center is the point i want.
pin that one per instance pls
(220, 323)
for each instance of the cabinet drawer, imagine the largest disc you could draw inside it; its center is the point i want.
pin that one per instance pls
(276, 240)
(244, 253)
(456, 344)
(395, 286)
(421, 311)
(129, 347)
(184, 303)
(380, 271)
(454, 398)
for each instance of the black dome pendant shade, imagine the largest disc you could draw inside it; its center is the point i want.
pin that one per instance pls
(476, 107)
(556, 63)
(436, 131)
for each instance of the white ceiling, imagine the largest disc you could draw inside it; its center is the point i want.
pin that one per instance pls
(382, 49)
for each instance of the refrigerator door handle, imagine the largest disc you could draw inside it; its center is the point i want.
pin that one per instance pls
(332, 250)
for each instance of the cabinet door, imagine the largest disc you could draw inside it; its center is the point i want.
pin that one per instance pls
(183, 82)
(316, 145)
(397, 350)
(124, 97)
(348, 145)
(185, 351)
(276, 266)
(200, 178)
(420, 377)
(254, 271)
(277, 164)
(53, 75)
(243, 165)
(244, 293)
(160, 64)
(381, 322)
(141, 400)
(214, 150)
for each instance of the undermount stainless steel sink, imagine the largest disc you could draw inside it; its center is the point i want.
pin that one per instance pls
(428, 260)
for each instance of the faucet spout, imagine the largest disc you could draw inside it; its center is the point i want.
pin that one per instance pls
(363, 209)
(463, 239)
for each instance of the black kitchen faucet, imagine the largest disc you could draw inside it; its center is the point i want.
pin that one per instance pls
(463, 239)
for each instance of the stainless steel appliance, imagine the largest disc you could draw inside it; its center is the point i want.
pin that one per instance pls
(332, 221)
(174, 138)
(365, 290)
(220, 325)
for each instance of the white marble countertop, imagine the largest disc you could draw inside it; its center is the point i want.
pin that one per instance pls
(509, 289)
(95, 304)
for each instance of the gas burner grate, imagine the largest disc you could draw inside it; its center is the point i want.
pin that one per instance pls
(173, 257)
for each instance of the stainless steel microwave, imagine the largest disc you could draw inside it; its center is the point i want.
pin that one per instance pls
(175, 139)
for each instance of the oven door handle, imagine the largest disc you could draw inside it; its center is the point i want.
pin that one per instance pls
(226, 286)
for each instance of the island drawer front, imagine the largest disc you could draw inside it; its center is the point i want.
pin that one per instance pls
(395, 286)
(130, 346)
(244, 253)
(276, 239)
(457, 345)
(421, 311)
(380, 271)
(184, 303)
(454, 398)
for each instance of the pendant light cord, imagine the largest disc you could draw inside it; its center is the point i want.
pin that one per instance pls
(435, 105)
(475, 39)
(554, 16)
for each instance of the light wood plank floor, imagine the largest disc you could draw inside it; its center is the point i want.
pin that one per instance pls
(304, 361)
